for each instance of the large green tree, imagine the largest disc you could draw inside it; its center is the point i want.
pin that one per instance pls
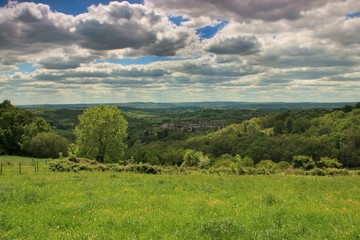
(101, 133)
(17, 128)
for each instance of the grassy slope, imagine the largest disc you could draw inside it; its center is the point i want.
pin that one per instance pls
(45, 205)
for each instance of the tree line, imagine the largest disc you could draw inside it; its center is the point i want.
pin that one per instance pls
(23, 133)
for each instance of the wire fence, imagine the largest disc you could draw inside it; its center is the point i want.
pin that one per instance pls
(21, 167)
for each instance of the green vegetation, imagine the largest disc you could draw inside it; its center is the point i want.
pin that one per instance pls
(101, 133)
(48, 145)
(332, 135)
(109, 205)
(199, 182)
(222, 135)
(17, 128)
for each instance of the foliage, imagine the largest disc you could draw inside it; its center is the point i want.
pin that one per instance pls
(222, 163)
(246, 162)
(100, 134)
(75, 164)
(161, 136)
(48, 145)
(73, 150)
(305, 162)
(268, 164)
(194, 158)
(282, 165)
(326, 162)
(17, 128)
(31, 130)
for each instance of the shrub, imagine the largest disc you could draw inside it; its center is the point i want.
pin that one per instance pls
(48, 145)
(268, 164)
(204, 162)
(226, 163)
(143, 168)
(335, 171)
(247, 162)
(316, 172)
(282, 165)
(223, 170)
(256, 171)
(305, 162)
(194, 158)
(326, 162)
(75, 164)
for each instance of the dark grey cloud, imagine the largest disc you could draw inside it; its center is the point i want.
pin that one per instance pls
(240, 45)
(28, 30)
(98, 74)
(274, 81)
(267, 10)
(126, 26)
(104, 36)
(168, 46)
(138, 73)
(212, 70)
(313, 56)
(59, 62)
(30, 24)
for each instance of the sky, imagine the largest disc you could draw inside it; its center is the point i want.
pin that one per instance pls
(100, 51)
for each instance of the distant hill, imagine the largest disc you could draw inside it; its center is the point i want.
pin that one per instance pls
(242, 105)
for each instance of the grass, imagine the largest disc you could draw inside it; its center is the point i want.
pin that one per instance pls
(107, 205)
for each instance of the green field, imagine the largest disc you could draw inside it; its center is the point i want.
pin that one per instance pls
(106, 205)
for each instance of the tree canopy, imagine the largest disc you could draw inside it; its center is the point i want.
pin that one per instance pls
(17, 128)
(101, 133)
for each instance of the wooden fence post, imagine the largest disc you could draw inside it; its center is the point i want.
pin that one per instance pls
(0, 168)
(20, 167)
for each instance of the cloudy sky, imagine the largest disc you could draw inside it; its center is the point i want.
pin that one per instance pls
(98, 51)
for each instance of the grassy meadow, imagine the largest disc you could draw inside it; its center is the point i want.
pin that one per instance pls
(107, 205)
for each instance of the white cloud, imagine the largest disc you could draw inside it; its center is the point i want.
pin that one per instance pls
(267, 10)
(270, 51)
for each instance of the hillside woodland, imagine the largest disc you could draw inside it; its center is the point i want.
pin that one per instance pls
(199, 137)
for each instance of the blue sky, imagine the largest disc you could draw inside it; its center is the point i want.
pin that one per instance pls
(71, 7)
(173, 51)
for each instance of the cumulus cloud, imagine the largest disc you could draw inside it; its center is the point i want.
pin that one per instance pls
(267, 10)
(26, 24)
(269, 50)
(29, 30)
(239, 45)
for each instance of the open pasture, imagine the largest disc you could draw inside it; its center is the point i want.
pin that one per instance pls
(106, 205)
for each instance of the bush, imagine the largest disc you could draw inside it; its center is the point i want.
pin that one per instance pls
(257, 171)
(226, 163)
(305, 162)
(143, 168)
(48, 145)
(223, 171)
(194, 158)
(268, 164)
(75, 164)
(326, 162)
(316, 172)
(246, 162)
(335, 171)
(282, 165)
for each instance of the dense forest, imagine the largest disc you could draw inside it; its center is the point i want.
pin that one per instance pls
(175, 135)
